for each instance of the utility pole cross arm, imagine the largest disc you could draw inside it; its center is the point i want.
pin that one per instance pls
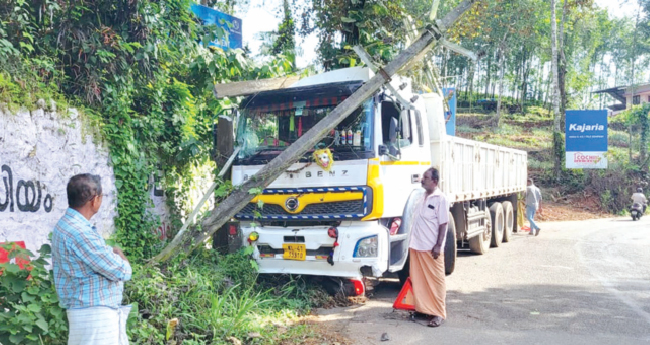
(365, 57)
(249, 87)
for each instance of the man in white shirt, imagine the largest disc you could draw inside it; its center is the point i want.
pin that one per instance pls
(427, 259)
(533, 204)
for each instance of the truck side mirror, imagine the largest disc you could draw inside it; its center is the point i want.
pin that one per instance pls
(383, 150)
(392, 130)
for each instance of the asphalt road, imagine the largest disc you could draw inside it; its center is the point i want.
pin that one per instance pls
(584, 282)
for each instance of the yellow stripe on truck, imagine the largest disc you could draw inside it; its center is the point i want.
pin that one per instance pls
(404, 163)
(374, 182)
(307, 199)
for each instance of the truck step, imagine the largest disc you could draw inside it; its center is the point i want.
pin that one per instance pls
(398, 237)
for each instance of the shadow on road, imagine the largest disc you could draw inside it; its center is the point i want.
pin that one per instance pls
(559, 308)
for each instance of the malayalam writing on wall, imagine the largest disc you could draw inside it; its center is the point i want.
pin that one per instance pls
(28, 194)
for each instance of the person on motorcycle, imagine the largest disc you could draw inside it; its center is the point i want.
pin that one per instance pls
(640, 198)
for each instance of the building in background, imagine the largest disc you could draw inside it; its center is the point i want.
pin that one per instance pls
(627, 96)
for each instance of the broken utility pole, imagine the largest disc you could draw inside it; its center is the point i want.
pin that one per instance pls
(185, 242)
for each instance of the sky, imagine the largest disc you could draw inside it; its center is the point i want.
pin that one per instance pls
(264, 15)
(619, 8)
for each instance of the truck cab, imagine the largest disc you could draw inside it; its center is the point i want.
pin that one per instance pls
(345, 221)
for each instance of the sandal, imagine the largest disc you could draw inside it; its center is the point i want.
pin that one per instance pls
(436, 321)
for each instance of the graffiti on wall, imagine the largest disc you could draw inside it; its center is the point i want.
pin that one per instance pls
(28, 194)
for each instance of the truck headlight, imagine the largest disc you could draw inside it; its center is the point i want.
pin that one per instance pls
(366, 247)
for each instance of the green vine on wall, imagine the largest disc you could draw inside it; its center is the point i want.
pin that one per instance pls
(138, 67)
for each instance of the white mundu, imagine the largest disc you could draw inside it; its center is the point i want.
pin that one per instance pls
(98, 326)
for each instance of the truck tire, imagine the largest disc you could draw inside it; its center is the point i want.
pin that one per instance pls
(450, 246)
(496, 212)
(509, 217)
(481, 243)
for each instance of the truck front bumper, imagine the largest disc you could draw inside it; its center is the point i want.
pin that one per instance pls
(268, 249)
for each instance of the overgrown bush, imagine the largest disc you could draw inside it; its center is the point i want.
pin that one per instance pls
(214, 297)
(29, 307)
(615, 187)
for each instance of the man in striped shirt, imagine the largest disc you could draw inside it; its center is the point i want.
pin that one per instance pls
(89, 276)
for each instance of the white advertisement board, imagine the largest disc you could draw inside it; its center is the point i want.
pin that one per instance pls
(586, 160)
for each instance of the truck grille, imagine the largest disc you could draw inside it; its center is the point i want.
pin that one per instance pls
(266, 249)
(336, 210)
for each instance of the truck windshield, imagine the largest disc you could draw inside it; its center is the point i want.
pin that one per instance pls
(266, 130)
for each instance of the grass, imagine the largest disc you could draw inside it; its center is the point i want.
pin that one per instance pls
(539, 165)
(507, 129)
(215, 298)
(522, 142)
(467, 129)
(529, 132)
(618, 138)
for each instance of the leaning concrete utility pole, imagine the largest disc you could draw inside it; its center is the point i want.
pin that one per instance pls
(186, 241)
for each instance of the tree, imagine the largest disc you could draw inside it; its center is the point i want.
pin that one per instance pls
(502, 64)
(557, 131)
(340, 24)
(283, 40)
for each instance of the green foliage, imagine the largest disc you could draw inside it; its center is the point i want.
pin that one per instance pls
(376, 25)
(29, 309)
(606, 197)
(535, 164)
(137, 67)
(618, 138)
(214, 297)
(467, 129)
(281, 42)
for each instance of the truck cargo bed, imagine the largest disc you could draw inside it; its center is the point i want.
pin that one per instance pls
(475, 170)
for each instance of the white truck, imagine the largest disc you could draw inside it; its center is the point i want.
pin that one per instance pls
(353, 220)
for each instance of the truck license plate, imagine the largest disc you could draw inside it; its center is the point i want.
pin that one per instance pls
(294, 251)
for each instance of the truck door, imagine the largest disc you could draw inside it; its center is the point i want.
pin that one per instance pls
(401, 173)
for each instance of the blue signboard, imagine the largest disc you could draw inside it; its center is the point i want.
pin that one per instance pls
(231, 25)
(586, 130)
(450, 116)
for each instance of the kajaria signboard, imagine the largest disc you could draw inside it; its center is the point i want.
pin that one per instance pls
(586, 139)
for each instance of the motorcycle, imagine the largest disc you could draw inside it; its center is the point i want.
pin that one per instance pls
(636, 211)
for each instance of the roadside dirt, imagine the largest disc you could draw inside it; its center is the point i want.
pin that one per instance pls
(580, 206)
(323, 333)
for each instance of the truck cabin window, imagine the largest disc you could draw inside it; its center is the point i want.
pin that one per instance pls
(265, 131)
(404, 135)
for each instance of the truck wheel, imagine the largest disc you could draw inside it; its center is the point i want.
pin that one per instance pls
(481, 243)
(496, 212)
(509, 215)
(450, 246)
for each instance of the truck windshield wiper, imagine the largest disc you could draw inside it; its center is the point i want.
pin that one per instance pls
(260, 152)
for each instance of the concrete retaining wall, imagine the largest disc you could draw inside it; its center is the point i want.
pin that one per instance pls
(39, 152)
